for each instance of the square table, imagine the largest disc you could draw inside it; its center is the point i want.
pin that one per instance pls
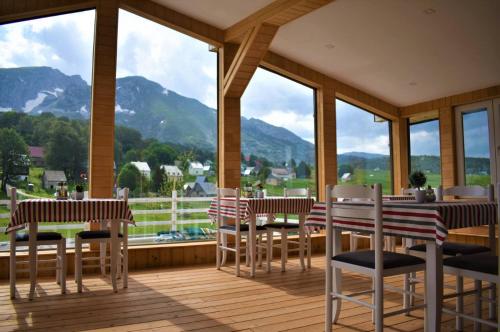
(422, 221)
(250, 208)
(32, 211)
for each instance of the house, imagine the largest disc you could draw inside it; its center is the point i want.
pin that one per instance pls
(195, 168)
(143, 168)
(278, 175)
(50, 179)
(249, 171)
(172, 172)
(202, 189)
(346, 177)
(37, 156)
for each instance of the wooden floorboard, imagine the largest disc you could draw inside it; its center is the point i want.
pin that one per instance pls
(201, 299)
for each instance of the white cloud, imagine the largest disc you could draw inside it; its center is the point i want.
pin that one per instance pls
(300, 124)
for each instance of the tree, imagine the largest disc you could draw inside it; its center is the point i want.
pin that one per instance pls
(185, 157)
(303, 170)
(264, 174)
(133, 155)
(129, 177)
(159, 154)
(157, 176)
(13, 155)
(66, 150)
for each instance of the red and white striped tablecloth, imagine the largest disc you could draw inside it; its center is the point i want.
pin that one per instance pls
(261, 206)
(51, 210)
(398, 198)
(423, 221)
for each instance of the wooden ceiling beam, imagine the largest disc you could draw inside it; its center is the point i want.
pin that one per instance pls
(276, 13)
(17, 10)
(248, 57)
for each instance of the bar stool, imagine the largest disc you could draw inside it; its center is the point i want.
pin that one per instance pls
(42, 239)
(103, 238)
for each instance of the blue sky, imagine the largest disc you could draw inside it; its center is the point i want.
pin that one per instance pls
(184, 65)
(424, 138)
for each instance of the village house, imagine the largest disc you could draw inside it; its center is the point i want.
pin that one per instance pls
(143, 168)
(195, 168)
(172, 172)
(50, 179)
(37, 156)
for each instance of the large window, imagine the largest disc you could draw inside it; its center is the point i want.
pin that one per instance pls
(363, 147)
(45, 78)
(277, 134)
(166, 130)
(425, 150)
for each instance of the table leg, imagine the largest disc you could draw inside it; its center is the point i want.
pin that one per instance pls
(492, 291)
(125, 254)
(433, 286)
(115, 247)
(33, 229)
(302, 239)
(252, 231)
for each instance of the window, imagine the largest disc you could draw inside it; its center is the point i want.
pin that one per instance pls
(363, 147)
(166, 130)
(45, 78)
(277, 134)
(425, 151)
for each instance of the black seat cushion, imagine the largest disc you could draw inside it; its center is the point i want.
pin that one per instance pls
(366, 258)
(282, 225)
(40, 236)
(485, 263)
(96, 234)
(454, 248)
(243, 227)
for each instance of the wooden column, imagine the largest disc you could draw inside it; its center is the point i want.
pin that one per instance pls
(400, 149)
(448, 147)
(102, 122)
(326, 139)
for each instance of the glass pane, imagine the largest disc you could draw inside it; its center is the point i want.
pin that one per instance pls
(166, 130)
(45, 85)
(476, 148)
(363, 147)
(425, 151)
(278, 140)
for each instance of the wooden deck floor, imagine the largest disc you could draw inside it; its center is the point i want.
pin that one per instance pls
(199, 299)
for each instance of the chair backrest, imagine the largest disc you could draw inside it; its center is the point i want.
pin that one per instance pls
(234, 204)
(356, 192)
(467, 191)
(122, 194)
(291, 192)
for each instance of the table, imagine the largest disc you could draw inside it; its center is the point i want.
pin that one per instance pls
(32, 211)
(423, 221)
(250, 208)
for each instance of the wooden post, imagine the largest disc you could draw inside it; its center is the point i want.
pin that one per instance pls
(448, 147)
(400, 149)
(326, 139)
(102, 121)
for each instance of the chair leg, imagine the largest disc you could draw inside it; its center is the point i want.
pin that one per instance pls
(217, 251)
(336, 288)
(237, 256)
(284, 249)
(492, 296)
(477, 304)
(412, 288)
(406, 294)
(102, 257)
(125, 256)
(78, 263)
(224, 252)
(247, 254)
(63, 266)
(12, 268)
(459, 305)
(309, 250)
(352, 244)
(58, 264)
(269, 251)
(379, 303)
(259, 251)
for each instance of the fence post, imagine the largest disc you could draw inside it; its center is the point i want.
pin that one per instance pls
(174, 210)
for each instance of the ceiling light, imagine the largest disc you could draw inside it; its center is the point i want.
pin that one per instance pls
(429, 11)
(412, 83)
(330, 46)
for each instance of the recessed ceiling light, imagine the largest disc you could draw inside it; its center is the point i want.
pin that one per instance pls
(429, 11)
(330, 46)
(412, 83)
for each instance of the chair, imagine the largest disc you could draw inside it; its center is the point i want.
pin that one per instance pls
(451, 249)
(375, 264)
(284, 228)
(480, 267)
(42, 239)
(238, 230)
(103, 238)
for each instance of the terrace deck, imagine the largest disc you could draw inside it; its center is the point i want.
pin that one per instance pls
(199, 298)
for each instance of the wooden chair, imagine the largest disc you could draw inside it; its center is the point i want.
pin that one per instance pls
(103, 238)
(42, 239)
(480, 267)
(238, 230)
(284, 228)
(375, 264)
(451, 249)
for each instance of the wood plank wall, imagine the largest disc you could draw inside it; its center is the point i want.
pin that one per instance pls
(400, 150)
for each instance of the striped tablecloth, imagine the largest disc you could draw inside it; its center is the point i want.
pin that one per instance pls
(423, 221)
(398, 198)
(51, 210)
(262, 206)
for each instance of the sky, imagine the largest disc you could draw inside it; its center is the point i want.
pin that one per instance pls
(185, 65)
(424, 138)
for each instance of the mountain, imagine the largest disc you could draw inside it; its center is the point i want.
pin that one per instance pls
(146, 106)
